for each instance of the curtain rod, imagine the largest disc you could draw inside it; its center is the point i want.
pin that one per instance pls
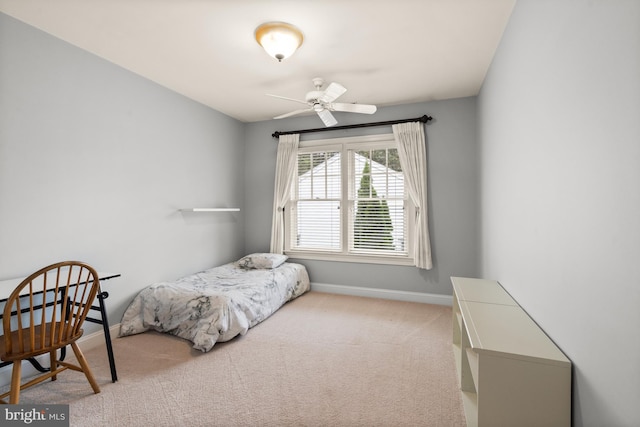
(423, 119)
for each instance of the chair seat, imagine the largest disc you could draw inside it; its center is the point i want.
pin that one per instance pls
(38, 348)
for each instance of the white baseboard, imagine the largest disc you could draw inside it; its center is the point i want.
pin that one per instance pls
(96, 339)
(384, 294)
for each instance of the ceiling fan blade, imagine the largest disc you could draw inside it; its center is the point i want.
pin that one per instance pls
(293, 113)
(327, 118)
(333, 92)
(288, 99)
(353, 108)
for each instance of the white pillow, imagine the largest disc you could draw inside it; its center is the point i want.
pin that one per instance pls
(261, 261)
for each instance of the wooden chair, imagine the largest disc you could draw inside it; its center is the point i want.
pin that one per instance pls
(66, 290)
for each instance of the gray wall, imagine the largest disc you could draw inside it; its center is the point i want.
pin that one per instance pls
(452, 197)
(96, 161)
(559, 134)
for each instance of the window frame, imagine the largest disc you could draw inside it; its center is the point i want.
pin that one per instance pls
(344, 145)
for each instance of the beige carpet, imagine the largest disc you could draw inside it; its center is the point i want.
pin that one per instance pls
(321, 360)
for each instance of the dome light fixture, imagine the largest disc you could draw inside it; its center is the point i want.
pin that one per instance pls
(279, 39)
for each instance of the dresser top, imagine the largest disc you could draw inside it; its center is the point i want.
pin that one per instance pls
(497, 324)
(481, 290)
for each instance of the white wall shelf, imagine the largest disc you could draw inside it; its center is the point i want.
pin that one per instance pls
(210, 210)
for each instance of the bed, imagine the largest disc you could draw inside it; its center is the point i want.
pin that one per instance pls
(218, 304)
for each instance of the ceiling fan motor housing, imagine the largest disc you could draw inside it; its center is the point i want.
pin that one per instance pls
(313, 96)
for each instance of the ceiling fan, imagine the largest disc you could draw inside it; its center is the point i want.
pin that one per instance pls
(321, 101)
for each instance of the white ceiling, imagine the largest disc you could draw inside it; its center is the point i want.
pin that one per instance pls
(384, 52)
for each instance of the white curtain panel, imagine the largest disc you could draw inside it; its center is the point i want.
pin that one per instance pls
(285, 173)
(413, 159)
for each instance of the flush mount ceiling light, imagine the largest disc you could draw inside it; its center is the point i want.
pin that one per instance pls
(279, 39)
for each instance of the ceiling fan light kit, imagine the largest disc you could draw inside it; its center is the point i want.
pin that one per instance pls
(321, 102)
(279, 39)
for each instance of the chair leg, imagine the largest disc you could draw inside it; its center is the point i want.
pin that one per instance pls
(53, 357)
(85, 367)
(16, 377)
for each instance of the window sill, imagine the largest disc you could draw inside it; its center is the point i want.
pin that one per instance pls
(366, 259)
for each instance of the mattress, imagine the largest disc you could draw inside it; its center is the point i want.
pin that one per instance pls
(214, 305)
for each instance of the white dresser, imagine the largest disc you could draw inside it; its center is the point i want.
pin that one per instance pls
(510, 372)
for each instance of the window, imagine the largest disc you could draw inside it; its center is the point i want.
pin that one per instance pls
(349, 203)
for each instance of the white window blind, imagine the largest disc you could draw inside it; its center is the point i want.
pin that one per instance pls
(349, 202)
(317, 201)
(376, 199)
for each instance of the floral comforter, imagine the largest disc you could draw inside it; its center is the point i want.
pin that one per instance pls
(216, 304)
